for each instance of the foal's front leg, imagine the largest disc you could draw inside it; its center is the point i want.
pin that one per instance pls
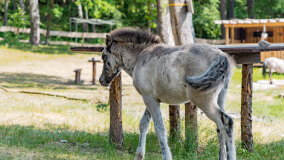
(154, 108)
(143, 127)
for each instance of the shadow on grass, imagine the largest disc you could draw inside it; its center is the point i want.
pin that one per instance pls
(46, 142)
(45, 49)
(29, 80)
(40, 81)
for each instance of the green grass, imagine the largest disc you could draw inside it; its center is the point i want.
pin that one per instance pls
(31, 126)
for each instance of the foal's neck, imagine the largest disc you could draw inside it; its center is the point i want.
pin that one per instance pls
(130, 55)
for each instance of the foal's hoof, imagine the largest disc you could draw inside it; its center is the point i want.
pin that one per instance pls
(139, 157)
(270, 82)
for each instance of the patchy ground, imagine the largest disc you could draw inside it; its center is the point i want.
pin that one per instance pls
(31, 126)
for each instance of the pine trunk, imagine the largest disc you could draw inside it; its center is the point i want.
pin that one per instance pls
(164, 22)
(223, 13)
(35, 23)
(6, 13)
(49, 18)
(250, 4)
(231, 9)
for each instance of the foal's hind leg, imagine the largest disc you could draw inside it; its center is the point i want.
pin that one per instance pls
(143, 127)
(222, 95)
(224, 126)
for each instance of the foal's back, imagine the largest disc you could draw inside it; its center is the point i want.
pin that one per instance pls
(161, 70)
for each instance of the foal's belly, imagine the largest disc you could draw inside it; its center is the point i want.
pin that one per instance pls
(172, 94)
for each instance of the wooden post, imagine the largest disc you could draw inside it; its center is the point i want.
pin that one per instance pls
(182, 26)
(246, 107)
(77, 75)
(94, 69)
(174, 115)
(115, 100)
(227, 35)
(232, 35)
(191, 129)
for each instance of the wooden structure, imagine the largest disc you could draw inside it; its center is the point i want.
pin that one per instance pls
(243, 54)
(249, 31)
(94, 70)
(77, 76)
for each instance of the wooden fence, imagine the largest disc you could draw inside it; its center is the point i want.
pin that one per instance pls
(57, 33)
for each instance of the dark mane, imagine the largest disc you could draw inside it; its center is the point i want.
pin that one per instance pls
(130, 35)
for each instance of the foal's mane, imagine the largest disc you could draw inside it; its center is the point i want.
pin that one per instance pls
(131, 35)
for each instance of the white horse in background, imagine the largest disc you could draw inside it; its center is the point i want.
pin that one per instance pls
(274, 65)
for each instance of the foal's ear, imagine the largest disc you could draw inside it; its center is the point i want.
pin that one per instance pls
(108, 40)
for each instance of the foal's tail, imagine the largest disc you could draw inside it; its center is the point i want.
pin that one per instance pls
(218, 73)
(264, 68)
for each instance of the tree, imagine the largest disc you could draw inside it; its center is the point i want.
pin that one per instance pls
(6, 13)
(231, 9)
(164, 22)
(49, 18)
(35, 22)
(223, 13)
(250, 8)
(183, 33)
(22, 5)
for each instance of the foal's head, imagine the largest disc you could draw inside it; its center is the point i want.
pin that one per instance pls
(119, 43)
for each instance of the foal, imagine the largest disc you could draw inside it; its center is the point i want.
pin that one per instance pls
(172, 75)
(274, 65)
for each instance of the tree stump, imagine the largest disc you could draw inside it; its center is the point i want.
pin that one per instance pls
(115, 99)
(77, 75)
(246, 107)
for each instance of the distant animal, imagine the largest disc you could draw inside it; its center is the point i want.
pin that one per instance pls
(173, 75)
(274, 65)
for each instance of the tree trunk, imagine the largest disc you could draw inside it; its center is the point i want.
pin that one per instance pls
(80, 12)
(231, 9)
(86, 25)
(223, 13)
(250, 4)
(35, 22)
(182, 26)
(6, 13)
(191, 130)
(115, 99)
(164, 22)
(49, 18)
(22, 5)
(14, 5)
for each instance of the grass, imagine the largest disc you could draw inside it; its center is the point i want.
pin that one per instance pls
(31, 126)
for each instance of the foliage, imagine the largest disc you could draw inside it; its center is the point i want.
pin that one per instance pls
(206, 11)
(137, 13)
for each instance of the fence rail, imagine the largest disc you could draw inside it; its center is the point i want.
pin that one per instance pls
(54, 33)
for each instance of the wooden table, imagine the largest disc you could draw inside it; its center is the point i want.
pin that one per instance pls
(246, 55)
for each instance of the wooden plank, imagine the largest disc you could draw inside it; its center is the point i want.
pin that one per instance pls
(277, 24)
(115, 100)
(250, 48)
(246, 107)
(246, 58)
(86, 49)
(54, 33)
